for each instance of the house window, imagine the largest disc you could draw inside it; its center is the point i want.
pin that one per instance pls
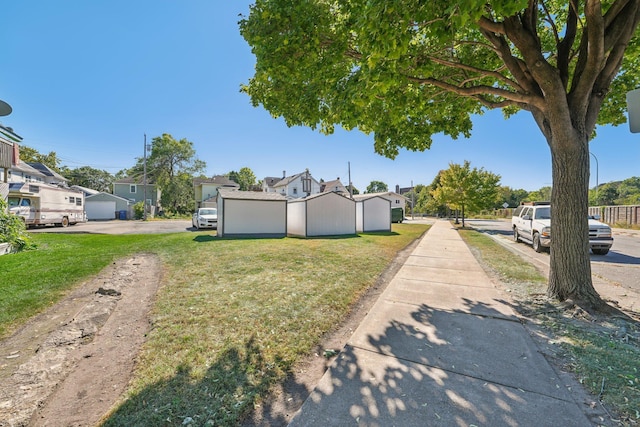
(78, 201)
(72, 199)
(295, 190)
(132, 189)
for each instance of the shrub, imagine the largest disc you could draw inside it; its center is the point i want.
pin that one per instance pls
(138, 210)
(13, 230)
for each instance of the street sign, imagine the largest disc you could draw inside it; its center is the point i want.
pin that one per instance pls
(505, 205)
(633, 108)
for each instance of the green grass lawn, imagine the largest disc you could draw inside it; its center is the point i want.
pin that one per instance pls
(231, 318)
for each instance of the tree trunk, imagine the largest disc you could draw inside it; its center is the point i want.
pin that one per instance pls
(570, 273)
(463, 215)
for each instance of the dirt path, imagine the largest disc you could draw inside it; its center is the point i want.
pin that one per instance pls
(67, 366)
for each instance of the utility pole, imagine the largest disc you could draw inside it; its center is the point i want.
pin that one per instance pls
(144, 210)
(412, 199)
(350, 184)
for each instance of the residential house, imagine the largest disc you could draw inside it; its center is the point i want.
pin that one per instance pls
(133, 189)
(292, 187)
(206, 190)
(48, 175)
(334, 186)
(8, 156)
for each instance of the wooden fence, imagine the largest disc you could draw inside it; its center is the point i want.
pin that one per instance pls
(612, 215)
(626, 214)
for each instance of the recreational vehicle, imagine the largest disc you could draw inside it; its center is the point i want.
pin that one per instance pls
(42, 204)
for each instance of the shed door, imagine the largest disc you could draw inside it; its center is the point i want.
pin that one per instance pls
(100, 210)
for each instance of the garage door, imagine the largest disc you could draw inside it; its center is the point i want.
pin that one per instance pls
(100, 210)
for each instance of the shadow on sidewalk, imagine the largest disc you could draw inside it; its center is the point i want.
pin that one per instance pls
(441, 367)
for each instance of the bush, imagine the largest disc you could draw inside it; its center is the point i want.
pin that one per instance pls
(13, 230)
(138, 210)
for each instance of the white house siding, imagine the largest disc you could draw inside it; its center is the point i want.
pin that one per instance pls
(296, 218)
(245, 213)
(373, 214)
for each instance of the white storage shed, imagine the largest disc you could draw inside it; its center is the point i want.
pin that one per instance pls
(251, 214)
(373, 213)
(324, 214)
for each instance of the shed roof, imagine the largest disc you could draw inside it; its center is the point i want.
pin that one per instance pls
(384, 194)
(315, 196)
(226, 193)
(108, 195)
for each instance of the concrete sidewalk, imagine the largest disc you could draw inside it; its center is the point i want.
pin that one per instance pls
(440, 347)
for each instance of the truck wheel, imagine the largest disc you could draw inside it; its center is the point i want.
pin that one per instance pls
(65, 222)
(516, 236)
(536, 243)
(600, 251)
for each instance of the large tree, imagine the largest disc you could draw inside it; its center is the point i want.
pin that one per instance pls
(28, 155)
(467, 190)
(406, 70)
(86, 176)
(244, 177)
(171, 165)
(377, 187)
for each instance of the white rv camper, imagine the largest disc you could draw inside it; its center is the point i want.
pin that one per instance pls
(42, 204)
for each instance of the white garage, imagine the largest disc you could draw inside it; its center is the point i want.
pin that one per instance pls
(100, 210)
(104, 206)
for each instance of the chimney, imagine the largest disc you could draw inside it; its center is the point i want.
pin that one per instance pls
(284, 174)
(397, 189)
(16, 154)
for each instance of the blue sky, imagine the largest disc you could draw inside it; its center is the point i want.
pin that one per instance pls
(87, 79)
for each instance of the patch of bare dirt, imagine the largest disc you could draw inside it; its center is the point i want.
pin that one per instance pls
(70, 364)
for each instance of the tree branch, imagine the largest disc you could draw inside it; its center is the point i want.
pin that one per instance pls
(592, 47)
(510, 98)
(484, 73)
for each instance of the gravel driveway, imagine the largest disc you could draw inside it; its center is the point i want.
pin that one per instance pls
(122, 227)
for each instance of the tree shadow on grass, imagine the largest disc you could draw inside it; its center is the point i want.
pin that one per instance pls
(230, 388)
(203, 238)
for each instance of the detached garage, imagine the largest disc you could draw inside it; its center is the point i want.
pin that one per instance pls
(251, 214)
(324, 214)
(104, 206)
(373, 213)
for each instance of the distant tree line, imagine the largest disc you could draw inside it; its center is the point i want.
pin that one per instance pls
(172, 165)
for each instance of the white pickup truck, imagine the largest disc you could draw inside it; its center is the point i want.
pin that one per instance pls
(531, 222)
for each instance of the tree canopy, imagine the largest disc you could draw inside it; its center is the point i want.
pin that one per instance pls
(406, 70)
(171, 165)
(467, 190)
(244, 177)
(376, 187)
(28, 155)
(86, 176)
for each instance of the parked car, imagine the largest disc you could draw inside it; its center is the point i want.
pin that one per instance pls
(205, 218)
(531, 222)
